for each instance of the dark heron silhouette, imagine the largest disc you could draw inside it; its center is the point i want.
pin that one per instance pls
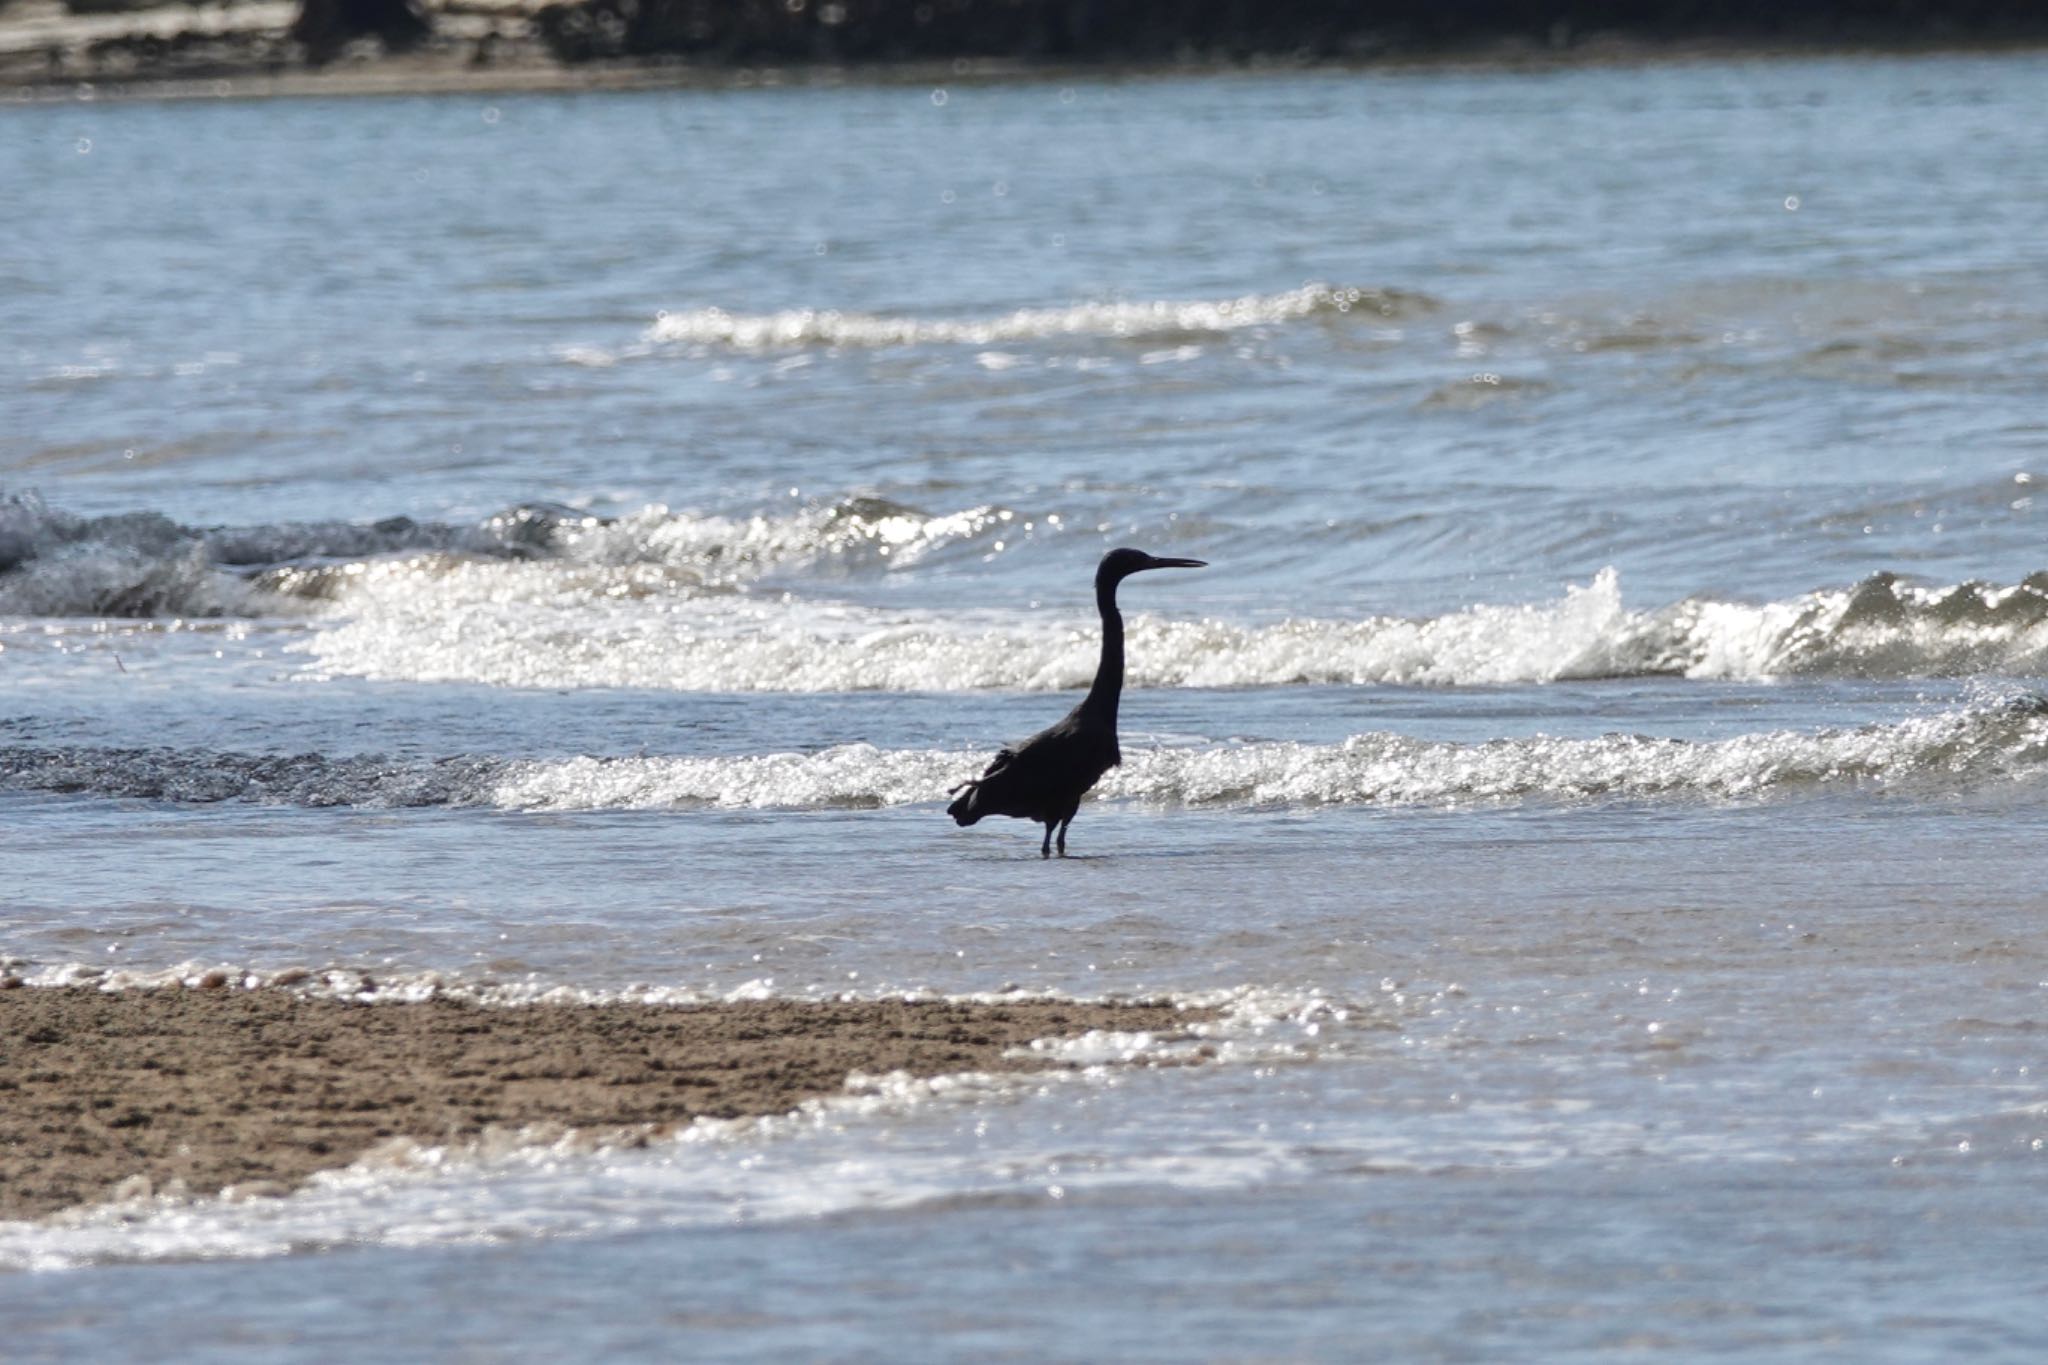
(1045, 777)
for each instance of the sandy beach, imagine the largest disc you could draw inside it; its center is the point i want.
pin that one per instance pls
(259, 1089)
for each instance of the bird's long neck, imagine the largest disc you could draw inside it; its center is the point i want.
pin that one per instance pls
(1109, 674)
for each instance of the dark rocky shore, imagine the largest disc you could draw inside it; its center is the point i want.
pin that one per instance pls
(790, 32)
(336, 46)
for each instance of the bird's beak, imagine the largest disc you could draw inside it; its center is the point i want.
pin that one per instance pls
(1158, 563)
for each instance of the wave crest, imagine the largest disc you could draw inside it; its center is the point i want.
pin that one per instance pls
(587, 633)
(53, 563)
(1947, 750)
(547, 596)
(1142, 320)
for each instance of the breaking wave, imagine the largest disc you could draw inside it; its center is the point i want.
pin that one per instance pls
(1960, 748)
(1951, 749)
(545, 596)
(144, 564)
(457, 626)
(1965, 746)
(1145, 320)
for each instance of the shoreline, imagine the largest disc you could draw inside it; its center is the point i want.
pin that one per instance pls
(447, 67)
(193, 1092)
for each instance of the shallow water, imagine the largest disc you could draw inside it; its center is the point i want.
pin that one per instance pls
(571, 544)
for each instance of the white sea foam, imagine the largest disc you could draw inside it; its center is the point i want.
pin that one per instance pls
(886, 1144)
(1152, 320)
(550, 597)
(551, 626)
(1952, 748)
(555, 626)
(540, 596)
(731, 548)
(848, 776)
(1955, 748)
(1960, 746)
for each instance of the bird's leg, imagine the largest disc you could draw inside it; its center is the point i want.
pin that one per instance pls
(1063, 835)
(1045, 849)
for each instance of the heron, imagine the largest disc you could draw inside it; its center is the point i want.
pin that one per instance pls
(1045, 777)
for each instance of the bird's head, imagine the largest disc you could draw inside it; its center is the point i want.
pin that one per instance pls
(1118, 565)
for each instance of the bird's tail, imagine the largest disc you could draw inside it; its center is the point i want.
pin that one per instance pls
(966, 807)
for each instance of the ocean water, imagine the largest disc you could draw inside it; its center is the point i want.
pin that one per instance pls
(567, 545)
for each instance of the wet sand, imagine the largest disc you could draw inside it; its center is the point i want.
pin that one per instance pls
(259, 1089)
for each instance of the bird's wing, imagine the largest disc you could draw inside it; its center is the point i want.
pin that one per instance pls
(1003, 759)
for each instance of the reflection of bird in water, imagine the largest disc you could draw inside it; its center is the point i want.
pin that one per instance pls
(1045, 777)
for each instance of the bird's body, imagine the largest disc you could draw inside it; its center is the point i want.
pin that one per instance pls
(1045, 777)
